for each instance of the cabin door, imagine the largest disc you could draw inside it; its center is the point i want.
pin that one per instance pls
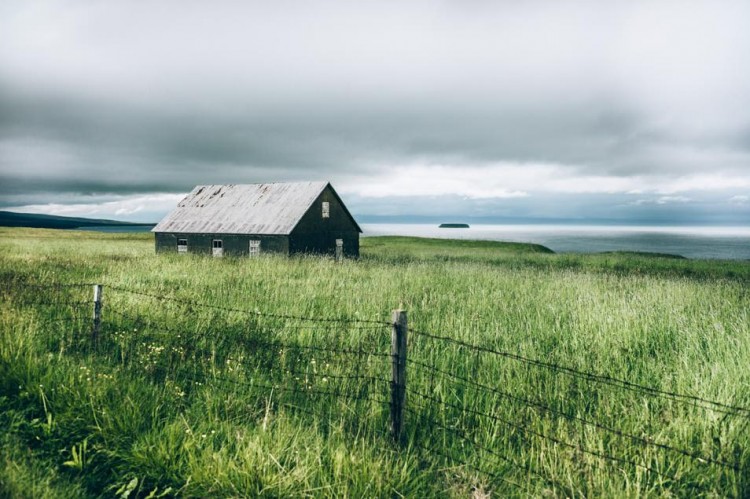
(218, 248)
(254, 247)
(339, 249)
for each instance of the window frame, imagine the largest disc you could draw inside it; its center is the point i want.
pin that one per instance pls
(182, 248)
(326, 209)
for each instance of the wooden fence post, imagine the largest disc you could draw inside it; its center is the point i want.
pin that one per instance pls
(398, 372)
(98, 288)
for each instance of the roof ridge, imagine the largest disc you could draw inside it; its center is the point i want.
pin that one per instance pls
(269, 183)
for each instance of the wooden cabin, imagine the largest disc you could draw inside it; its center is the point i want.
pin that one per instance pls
(252, 219)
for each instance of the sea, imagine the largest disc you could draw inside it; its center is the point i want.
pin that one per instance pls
(730, 243)
(118, 228)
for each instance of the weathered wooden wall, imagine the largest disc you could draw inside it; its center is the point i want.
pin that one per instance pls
(234, 244)
(315, 234)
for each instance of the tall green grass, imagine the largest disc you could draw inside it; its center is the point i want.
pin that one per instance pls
(175, 399)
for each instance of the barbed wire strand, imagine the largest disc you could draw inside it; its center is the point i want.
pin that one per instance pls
(525, 429)
(13, 284)
(538, 405)
(600, 378)
(244, 311)
(257, 342)
(307, 391)
(53, 303)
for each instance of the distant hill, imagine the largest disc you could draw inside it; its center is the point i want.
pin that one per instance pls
(13, 219)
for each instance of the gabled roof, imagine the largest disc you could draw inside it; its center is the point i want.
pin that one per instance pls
(243, 209)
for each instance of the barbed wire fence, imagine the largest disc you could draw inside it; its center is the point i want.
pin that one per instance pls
(388, 379)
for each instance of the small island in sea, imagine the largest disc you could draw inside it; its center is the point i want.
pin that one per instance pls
(453, 226)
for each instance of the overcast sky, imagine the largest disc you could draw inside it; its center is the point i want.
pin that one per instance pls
(635, 111)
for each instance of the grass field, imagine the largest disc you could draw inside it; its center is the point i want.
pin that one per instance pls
(208, 380)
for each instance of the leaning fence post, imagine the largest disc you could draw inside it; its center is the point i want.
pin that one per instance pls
(98, 288)
(398, 372)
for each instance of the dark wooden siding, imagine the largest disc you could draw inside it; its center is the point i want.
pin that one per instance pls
(234, 244)
(315, 234)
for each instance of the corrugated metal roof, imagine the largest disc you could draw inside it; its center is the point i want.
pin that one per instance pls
(242, 209)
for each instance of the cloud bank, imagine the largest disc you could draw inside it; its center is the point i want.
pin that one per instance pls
(512, 105)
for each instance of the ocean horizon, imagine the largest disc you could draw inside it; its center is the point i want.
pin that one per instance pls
(698, 242)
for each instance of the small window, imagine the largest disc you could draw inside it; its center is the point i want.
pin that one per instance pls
(326, 209)
(218, 248)
(254, 247)
(182, 246)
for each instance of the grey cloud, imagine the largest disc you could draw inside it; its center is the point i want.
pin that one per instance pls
(131, 98)
(155, 147)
